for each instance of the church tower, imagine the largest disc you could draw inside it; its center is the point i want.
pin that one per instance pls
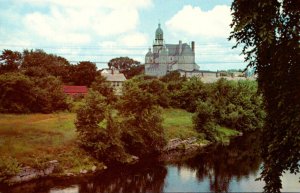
(159, 39)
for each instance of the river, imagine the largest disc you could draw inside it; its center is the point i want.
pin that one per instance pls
(218, 168)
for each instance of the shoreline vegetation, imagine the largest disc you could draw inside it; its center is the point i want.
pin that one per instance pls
(32, 140)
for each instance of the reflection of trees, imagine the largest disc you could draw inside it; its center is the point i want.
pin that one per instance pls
(135, 179)
(221, 163)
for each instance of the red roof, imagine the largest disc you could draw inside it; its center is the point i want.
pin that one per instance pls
(74, 90)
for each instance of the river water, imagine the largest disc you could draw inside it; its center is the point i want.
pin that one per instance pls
(219, 168)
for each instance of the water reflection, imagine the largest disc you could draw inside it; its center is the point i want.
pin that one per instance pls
(220, 164)
(145, 177)
(219, 168)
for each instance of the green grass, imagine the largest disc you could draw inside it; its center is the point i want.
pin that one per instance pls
(224, 134)
(35, 138)
(178, 124)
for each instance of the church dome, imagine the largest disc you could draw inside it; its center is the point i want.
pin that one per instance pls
(149, 54)
(159, 33)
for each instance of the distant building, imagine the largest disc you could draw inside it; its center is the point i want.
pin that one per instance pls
(164, 58)
(75, 90)
(115, 78)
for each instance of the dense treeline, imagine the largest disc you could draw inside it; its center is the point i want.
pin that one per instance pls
(37, 63)
(31, 81)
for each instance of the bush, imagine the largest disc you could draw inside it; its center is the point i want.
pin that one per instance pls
(8, 167)
(22, 94)
(204, 120)
(236, 105)
(16, 93)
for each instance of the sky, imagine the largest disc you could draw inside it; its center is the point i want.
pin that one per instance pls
(99, 30)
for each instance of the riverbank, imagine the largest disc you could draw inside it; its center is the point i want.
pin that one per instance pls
(35, 139)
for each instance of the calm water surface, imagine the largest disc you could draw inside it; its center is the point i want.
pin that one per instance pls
(231, 168)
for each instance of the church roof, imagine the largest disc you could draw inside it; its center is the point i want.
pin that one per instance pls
(149, 53)
(115, 77)
(174, 49)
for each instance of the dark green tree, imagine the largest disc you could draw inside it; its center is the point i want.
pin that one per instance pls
(84, 73)
(269, 31)
(16, 93)
(48, 95)
(99, 134)
(126, 65)
(39, 63)
(104, 88)
(142, 122)
(204, 120)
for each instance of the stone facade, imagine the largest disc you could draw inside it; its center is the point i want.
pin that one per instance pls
(170, 57)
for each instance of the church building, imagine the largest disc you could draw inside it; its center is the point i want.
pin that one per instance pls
(164, 58)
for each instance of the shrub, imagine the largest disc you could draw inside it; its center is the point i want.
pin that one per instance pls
(8, 167)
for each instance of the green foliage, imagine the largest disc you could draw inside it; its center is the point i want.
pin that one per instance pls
(16, 93)
(237, 104)
(8, 167)
(191, 91)
(103, 142)
(135, 129)
(39, 63)
(49, 95)
(149, 91)
(204, 120)
(269, 31)
(84, 73)
(174, 85)
(231, 104)
(22, 94)
(143, 132)
(104, 88)
(128, 66)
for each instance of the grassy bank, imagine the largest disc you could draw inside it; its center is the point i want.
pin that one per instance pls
(35, 138)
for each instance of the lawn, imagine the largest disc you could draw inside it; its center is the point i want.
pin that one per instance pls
(35, 138)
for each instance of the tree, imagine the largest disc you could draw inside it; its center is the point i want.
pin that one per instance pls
(269, 31)
(48, 95)
(84, 73)
(142, 122)
(191, 91)
(204, 121)
(10, 61)
(39, 63)
(103, 142)
(16, 93)
(22, 94)
(104, 88)
(128, 66)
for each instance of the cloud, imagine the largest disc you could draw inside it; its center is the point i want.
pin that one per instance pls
(196, 22)
(76, 21)
(134, 39)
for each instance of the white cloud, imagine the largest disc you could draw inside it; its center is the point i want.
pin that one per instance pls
(79, 22)
(134, 39)
(194, 21)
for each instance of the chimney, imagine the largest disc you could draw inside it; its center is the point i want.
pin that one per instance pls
(193, 46)
(180, 46)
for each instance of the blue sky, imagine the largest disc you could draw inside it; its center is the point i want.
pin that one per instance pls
(99, 30)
